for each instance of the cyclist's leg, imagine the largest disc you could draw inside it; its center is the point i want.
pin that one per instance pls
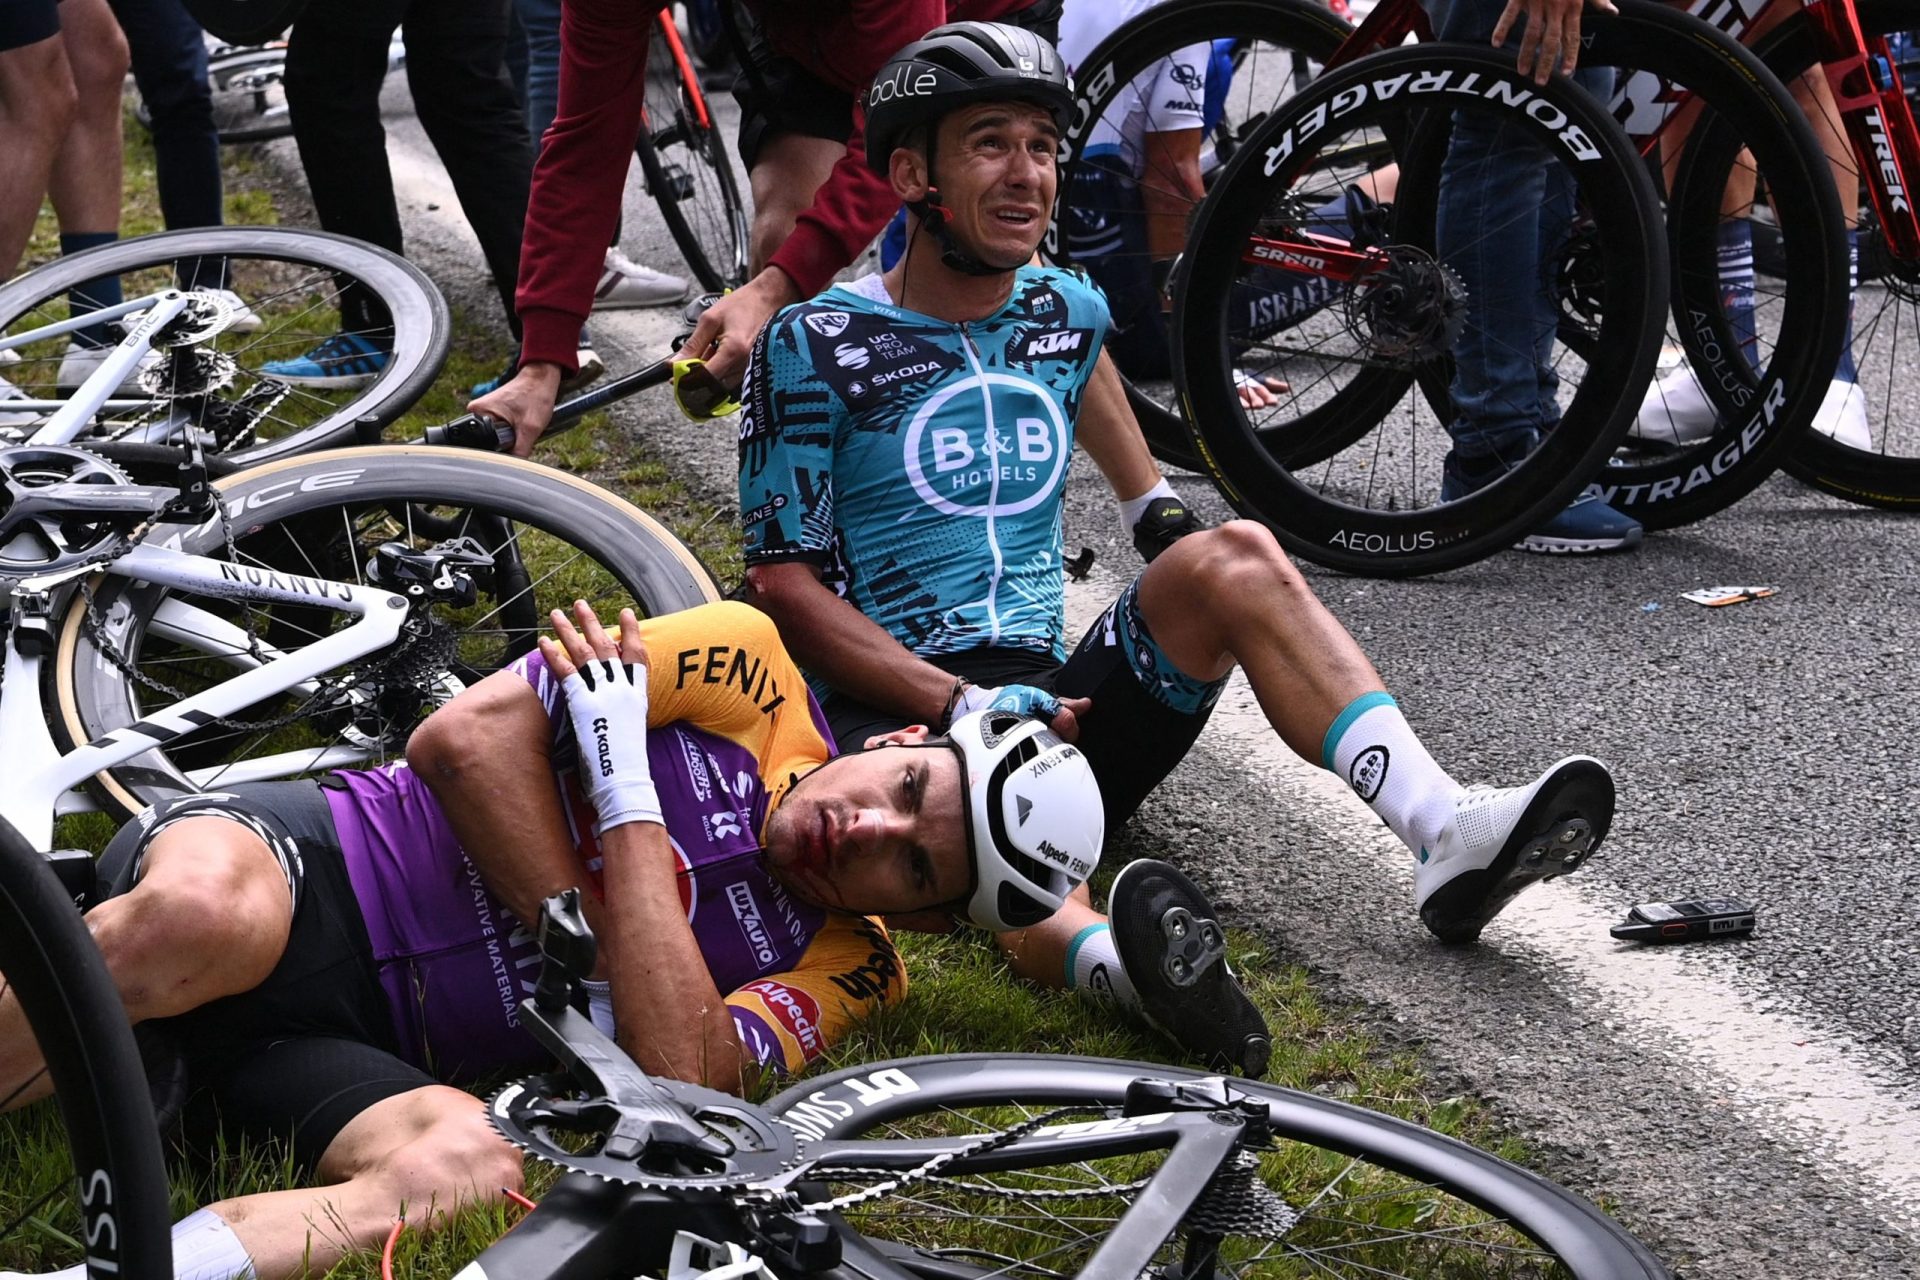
(37, 103)
(203, 910)
(1229, 596)
(390, 1142)
(456, 69)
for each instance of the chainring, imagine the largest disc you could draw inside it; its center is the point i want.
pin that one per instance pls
(51, 543)
(536, 1113)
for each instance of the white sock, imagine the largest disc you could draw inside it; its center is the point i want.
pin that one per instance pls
(1372, 747)
(204, 1248)
(1094, 966)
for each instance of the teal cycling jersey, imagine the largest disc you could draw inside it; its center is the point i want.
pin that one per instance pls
(920, 464)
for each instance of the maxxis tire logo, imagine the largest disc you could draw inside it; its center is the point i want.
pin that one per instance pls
(1019, 446)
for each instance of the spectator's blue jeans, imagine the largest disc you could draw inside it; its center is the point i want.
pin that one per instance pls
(1504, 210)
(539, 83)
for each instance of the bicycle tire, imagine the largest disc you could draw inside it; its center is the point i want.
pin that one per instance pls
(1397, 530)
(1801, 319)
(690, 175)
(283, 509)
(1303, 26)
(268, 105)
(49, 963)
(921, 1096)
(1877, 477)
(275, 269)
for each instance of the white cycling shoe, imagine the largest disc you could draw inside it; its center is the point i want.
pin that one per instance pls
(1501, 840)
(1677, 413)
(78, 363)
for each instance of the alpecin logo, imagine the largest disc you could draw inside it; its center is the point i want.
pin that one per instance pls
(1368, 773)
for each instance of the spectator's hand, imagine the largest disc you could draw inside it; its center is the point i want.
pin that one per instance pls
(1061, 714)
(726, 330)
(525, 403)
(1551, 40)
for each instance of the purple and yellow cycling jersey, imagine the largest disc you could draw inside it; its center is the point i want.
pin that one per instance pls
(731, 727)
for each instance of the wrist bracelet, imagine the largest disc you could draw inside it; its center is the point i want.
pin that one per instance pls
(960, 684)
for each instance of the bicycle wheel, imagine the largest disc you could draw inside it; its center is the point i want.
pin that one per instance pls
(87, 1167)
(293, 284)
(249, 96)
(1347, 465)
(1886, 309)
(1367, 1194)
(1760, 374)
(688, 171)
(552, 538)
(1278, 48)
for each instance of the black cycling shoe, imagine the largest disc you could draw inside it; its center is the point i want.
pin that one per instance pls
(1175, 954)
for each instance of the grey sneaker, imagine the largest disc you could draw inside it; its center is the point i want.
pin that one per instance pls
(1175, 954)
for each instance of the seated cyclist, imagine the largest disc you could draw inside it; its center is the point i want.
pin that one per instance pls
(330, 955)
(903, 459)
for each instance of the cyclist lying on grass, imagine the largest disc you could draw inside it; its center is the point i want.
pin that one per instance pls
(903, 460)
(327, 955)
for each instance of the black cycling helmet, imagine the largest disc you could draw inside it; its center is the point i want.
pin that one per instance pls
(956, 64)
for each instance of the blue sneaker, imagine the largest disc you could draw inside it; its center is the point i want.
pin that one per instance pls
(344, 362)
(1586, 525)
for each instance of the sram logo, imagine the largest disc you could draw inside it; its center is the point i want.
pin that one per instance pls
(1289, 257)
(1516, 94)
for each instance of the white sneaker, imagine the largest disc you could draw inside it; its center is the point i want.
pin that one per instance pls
(1499, 841)
(1843, 416)
(625, 283)
(78, 364)
(1676, 411)
(589, 368)
(17, 418)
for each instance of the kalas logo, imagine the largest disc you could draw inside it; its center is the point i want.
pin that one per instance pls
(829, 324)
(851, 355)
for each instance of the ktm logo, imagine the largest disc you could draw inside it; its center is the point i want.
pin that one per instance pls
(1059, 343)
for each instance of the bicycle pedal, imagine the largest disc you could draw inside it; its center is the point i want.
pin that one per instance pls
(1194, 944)
(678, 182)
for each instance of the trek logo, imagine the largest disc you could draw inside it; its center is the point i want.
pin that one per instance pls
(851, 355)
(1286, 257)
(1513, 92)
(829, 324)
(1008, 473)
(907, 82)
(746, 912)
(1369, 772)
(1184, 75)
(906, 371)
(1889, 167)
(1057, 345)
(603, 747)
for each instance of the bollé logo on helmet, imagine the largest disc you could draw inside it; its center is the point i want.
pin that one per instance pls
(964, 469)
(907, 81)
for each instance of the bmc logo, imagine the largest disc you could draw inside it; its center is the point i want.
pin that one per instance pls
(1055, 345)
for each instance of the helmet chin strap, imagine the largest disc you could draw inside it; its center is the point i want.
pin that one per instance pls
(935, 217)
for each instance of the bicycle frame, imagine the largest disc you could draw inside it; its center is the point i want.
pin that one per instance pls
(40, 779)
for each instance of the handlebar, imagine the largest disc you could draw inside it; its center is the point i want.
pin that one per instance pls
(479, 431)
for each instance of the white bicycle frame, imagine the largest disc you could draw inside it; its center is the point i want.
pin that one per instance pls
(40, 781)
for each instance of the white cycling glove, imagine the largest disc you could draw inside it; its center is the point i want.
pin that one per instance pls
(1022, 699)
(607, 702)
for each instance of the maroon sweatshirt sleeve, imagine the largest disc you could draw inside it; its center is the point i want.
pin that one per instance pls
(582, 170)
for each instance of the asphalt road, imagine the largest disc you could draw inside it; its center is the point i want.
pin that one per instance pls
(1750, 1108)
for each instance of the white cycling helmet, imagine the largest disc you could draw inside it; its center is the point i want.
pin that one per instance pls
(1034, 817)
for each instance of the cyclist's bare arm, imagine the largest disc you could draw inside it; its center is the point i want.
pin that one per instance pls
(1109, 433)
(854, 654)
(487, 758)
